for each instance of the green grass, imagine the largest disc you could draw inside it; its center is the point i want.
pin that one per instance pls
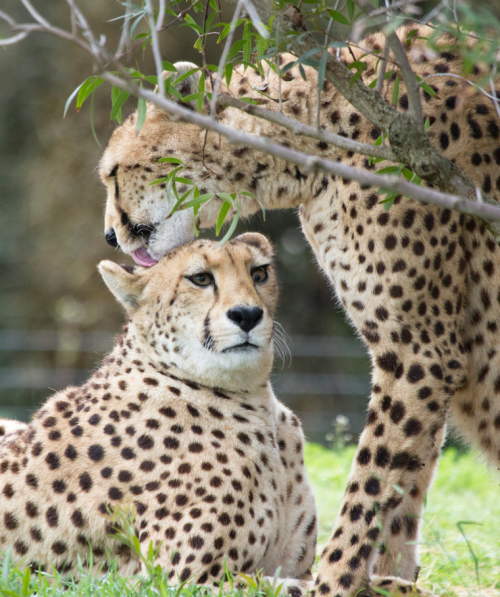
(452, 564)
(464, 490)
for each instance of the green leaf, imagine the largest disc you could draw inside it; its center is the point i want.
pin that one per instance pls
(225, 207)
(141, 113)
(170, 161)
(227, 29)
(118, 98)
(425, 86)
(358, 65)
(229, 198)
(350, 9)
(233, 225)
(92, 120)
(309, 53)
(378, 142)
(395, 91)
(389, 170)
(169, 66)
(190, 22)
(287, 67)
(197, 201)
(180, 200)
(195, 213)
(249, 100)
(235, 48)
(247, 46)
(408, 174)
(338, 44)
(70, 99)
(248, 194)
(194, 96)
(302, 72)
(89, 86)
(337, 16)
(427, 124)
(198, 44)
(26, 582)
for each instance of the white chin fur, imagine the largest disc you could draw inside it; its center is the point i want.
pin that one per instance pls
(173, 232)
(230, 370)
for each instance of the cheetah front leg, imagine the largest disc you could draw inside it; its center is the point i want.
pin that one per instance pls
(406, 412)
(400, 550)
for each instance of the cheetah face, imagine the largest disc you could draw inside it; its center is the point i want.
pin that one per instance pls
(138, 213)
(204, 310)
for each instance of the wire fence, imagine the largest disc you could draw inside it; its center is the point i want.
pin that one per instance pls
(309, 387)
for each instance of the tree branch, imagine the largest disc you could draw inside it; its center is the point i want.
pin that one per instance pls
(408, 139)
(399, 128)
(382, 68)
(298, 128)
(223, 57)
(156, 48)
(412, 87)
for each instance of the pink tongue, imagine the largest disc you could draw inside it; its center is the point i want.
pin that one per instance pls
(142, 257)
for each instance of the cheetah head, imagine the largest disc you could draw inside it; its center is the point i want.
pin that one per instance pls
(138, 213)
(205, 312)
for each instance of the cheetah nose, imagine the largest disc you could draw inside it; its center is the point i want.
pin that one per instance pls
(245, 317)
(110, 237)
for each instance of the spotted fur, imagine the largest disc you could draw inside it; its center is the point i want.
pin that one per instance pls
(419, 283)
(189, 434)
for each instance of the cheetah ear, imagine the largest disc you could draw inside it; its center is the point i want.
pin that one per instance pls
(259, 241)
(126, 282)
(187, 85)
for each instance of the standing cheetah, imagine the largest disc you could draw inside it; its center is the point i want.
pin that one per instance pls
(179, 421)
(417, 281)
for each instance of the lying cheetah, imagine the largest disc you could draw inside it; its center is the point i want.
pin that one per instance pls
(417, 282)
(179, 421)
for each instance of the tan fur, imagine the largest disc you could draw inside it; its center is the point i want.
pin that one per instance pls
(10, 426)
(187, 431)
(420, 284)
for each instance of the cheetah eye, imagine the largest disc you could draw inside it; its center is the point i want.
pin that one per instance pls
(260, 275)
(204, 279)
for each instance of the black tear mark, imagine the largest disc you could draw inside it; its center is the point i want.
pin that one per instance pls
(298, 174)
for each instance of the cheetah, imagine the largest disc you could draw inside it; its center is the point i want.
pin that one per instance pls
(179, 422)
(416, 281)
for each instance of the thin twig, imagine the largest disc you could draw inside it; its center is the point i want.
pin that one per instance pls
(124, 43)
(156, 47)
(382, 68)
(471, 83)
(161, 15)
(493, 90)
(280, 97)
(9, 41)
(298, 128)
(223, 58)
(35, 14)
